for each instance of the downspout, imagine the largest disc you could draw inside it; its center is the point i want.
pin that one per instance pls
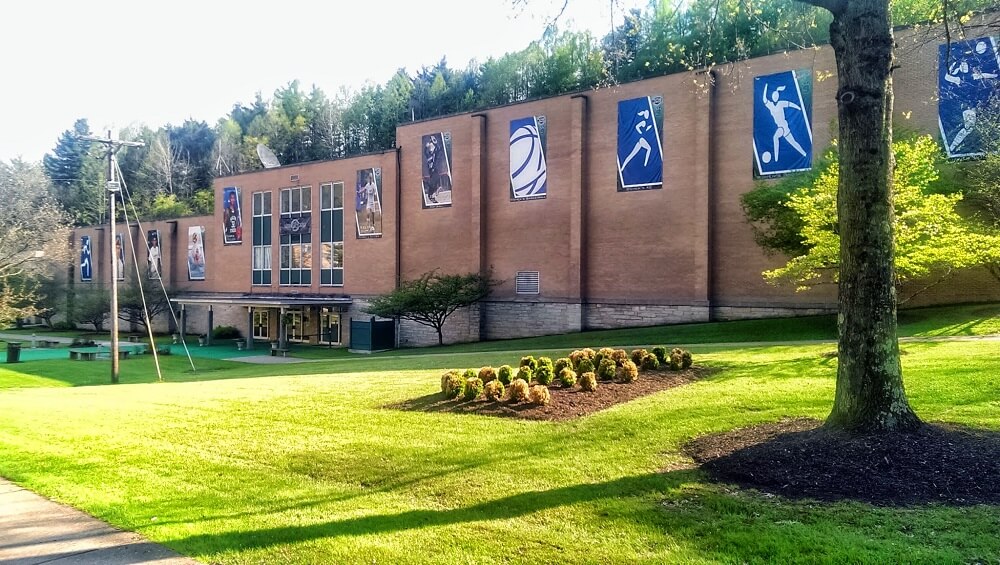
(710, 197)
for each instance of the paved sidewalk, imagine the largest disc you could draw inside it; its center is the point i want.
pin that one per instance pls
(34, 530)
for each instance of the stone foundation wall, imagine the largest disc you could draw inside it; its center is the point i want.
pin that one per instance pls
(462, 326)
(609, 316)
(750, 312)
(506, 320)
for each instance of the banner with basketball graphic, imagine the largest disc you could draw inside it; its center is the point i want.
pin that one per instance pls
(968, 77)
(640, 151)
(368, 203)
(782, 118)
(86, 267)
(528, 169)
(436, 169)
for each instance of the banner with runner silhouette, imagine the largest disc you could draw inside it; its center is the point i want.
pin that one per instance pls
(968, 77)
(782, 122)
(640, 152)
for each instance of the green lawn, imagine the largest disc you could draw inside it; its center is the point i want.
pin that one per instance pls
(313, 467)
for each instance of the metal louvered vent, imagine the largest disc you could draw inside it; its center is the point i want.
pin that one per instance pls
(527, 282)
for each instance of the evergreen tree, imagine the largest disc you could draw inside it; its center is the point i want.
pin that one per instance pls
(77, 175)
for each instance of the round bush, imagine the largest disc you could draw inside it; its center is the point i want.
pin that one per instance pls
(637, 355)
(455, 386)
(620, 356)
(504, 374)
(661, 353)
(588, 382)
(602, 354)
(567, 377)
(529, 361)
(544, 374)
(473, 388)
(606, 370)
(518, 391)
(650, 363)
(494, 390)
(686, 360)
(525, 373)
(628, 372)
(446, 380)
(470, 374)
(585, 366)
(676, 360)
(487, 374)
(539, 394)
(560, 364)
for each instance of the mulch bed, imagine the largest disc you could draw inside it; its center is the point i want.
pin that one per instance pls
(565, 404)
(798, 458)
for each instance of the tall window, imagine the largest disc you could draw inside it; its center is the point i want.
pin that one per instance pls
(296, 236)
(331, 204)
(261, 262)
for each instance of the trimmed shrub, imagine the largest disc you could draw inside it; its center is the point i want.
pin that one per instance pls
(686, 360)
(661, 353)
(494, 390)
(637, 355)
(620, 356)
(650, 362)
(567, 377)
(560, 364)
(518, 391)
(446, 380)
(473, 388)
(544, 374)
(487, 374)
(539, 394)
(525, 373)
(528, 361)
(606, 370)
(455, 384)
(602, 354)
(470, 374)
(588, 382)
(676, 359)
(504, 374)
(585, 366)
(628, 372)
(225, 332)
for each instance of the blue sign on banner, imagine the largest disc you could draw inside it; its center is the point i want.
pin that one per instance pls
(782, 135)
(640, 153)
(86, 268)
(967, 78)
(528, 170)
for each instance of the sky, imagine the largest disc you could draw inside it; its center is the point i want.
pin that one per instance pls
(121, 63)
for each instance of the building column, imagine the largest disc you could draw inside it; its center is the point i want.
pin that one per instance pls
(249, 327)
(282, 330)
(183, 328)
(211, 325)
(479, 216)
(578, 186)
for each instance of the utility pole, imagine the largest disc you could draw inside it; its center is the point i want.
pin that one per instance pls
(114, 187)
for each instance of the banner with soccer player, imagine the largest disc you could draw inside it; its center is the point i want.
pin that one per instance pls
(528, 168)
(968, 77)
(782, 118)
(640, 151)
(232, 219)
(368, 203)
(436, 169)
(86, 267)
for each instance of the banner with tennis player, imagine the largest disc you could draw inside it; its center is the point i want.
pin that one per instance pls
(436, 169)
(640, 151)
(782, 117)
(368, 203)
(528, 168)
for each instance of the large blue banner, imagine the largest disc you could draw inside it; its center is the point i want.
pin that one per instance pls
(528, 169)
(640, 152)
(86, 268)
(782, 134)
(967, 77)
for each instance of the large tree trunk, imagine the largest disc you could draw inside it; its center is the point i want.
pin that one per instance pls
(870, 395)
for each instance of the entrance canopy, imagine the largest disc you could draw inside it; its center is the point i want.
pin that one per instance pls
(264, 300)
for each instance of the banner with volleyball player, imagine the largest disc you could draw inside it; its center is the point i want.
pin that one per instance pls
(782, 118)
(368, 203)
(528, 168)
(640, 151)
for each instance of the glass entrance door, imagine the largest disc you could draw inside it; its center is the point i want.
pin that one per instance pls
(294, 327)
(261, 325)
(329, 326)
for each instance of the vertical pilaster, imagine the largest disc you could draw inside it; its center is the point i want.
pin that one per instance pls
(578, 194)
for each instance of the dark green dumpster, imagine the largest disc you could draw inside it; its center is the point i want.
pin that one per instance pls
(13, 352)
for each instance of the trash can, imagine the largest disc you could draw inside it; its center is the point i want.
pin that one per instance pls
(13, 352)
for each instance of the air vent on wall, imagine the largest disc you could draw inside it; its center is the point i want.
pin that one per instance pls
(294, 178)
(527, 282)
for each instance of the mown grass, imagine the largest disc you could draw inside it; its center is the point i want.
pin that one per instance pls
(312, 466)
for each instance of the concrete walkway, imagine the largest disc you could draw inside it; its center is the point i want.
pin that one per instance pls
(34, 530)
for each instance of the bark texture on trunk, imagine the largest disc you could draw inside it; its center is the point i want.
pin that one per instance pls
(870, 394)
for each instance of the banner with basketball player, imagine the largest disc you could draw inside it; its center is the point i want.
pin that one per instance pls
(196, 253)
(368, 203)
(528, 168)
(86, 266)
(436, 169)
(232, 219)
(154, 261)
(640, 151)
(968, 77)
(782, 118)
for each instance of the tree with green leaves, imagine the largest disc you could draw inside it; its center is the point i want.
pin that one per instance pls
(93, 305)
(142, 300)
(77, 175)
(432, 297)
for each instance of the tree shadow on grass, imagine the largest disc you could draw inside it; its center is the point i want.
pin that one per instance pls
(799, 458)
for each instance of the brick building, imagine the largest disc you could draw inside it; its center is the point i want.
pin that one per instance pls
(585, 256)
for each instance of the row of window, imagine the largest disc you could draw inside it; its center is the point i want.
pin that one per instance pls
(295, 259)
